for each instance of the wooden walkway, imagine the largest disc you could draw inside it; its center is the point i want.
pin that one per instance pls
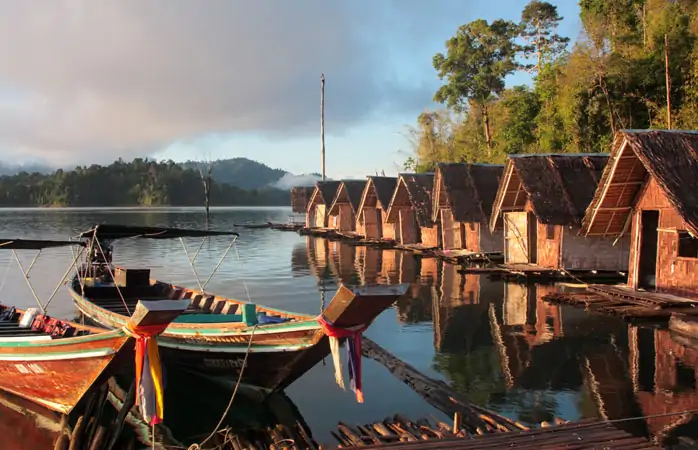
(599, 435)
(627, 303)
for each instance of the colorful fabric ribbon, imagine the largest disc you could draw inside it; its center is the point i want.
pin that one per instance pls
(149, 379)
(353, 336)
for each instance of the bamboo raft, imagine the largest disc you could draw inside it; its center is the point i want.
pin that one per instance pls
(628, 304)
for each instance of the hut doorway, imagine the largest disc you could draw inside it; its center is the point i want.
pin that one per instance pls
(532, 238)
(649, 239)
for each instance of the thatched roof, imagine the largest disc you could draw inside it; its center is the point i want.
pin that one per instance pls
(671, 160)
(324, 193)
(377, 192)
(300, 196)
(559, 186)
(468, 190)
(349, 191)
(413, 190)
(384, 186)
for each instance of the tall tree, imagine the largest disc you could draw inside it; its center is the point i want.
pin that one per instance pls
(477, 60)
(539, 21)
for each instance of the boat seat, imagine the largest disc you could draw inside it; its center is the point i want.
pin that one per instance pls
(208, 318)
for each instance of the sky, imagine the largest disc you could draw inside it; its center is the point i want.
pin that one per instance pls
(85, 82)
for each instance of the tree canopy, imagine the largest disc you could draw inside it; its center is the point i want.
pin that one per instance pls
(141, 182)
(611, 78)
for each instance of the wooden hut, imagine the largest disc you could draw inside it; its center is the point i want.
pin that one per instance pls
(373, 209)
(462, 204)
(345, 204)
(649, 190)
(300, 196)
(410, 210)
(542, 200)
(323, 194)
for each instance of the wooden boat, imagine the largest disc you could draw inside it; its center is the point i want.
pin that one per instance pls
(216, 334)
(54, 362)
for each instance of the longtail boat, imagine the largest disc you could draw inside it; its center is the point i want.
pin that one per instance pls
(218, 335)
(55, 363)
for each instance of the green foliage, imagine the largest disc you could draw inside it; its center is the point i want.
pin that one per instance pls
(539, 20)
(137, 183)
(612, 78)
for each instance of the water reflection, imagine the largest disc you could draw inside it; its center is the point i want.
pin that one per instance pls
(497, 343)
(502, 346)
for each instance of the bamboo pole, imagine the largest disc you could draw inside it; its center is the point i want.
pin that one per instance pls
(322, 121)
(668, 81)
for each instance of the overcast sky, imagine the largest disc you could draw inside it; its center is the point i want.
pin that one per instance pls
(84, 81)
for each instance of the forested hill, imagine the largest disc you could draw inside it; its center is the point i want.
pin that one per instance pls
(138, 183)
(241, 172)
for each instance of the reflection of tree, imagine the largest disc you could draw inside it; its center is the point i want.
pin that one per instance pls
(476, 374)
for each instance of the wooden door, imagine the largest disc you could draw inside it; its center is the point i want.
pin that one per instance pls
(320, 216)
(515, 237)
(447, 226)
(371, 219)
(408, 227)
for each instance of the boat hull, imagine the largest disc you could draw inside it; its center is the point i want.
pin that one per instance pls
(56, 374)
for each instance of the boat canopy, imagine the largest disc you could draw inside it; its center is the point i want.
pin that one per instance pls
(34, 244)
(109, 231)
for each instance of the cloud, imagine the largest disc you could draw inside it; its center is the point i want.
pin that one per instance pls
(119, 77)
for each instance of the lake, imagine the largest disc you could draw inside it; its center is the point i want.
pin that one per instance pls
(496, 343)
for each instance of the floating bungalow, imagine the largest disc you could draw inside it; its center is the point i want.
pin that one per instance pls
(648, 190)
(300, 197)
(542, 200)
(462, 204)
(321, 198)
(410, 210)
(373, 208)
(345, 204)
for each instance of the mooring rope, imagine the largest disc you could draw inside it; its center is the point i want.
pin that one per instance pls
(199, 446)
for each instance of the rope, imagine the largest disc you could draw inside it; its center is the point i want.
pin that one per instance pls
(232, 397)
(111, 274)
(244, 283)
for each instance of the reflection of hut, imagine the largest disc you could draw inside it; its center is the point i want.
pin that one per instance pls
(410, 210)
(462, 202)
(542, 199)
(368, 262)
(300, 196)
(373, 209)
(664, 374)
(345, 204)
(323, 194)
(342, 259)
(649, 188)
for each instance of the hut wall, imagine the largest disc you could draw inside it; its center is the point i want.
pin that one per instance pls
(592, 252)
(675, 275)
(451, 231)
(472, 236)
(407, 227)
(430, 236)
(388, 229)
(370, 225)
(491, 242)
(549, 249)
(344, 220)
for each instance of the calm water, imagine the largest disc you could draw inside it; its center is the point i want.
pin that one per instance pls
(497, 343)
